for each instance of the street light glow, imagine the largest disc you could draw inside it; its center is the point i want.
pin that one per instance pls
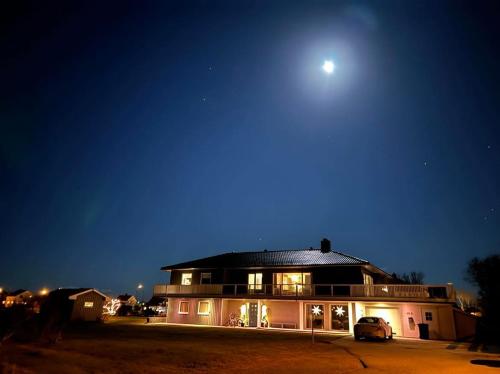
(140, 286)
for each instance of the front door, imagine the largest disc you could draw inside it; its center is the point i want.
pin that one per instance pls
(252, 315)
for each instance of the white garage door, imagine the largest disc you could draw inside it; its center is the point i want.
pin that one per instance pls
(391, 315)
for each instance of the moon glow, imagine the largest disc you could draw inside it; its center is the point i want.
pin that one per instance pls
(328, 67)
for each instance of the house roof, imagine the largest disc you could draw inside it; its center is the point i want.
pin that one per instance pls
(73, 293)
(17, 292)
(125, 297)
(301, 257)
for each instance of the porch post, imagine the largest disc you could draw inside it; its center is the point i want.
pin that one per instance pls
(259, 312)
(351, 312)
(221, 319)
(301, 315)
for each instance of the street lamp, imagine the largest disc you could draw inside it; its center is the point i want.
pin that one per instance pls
(44, 291)
(141, 287)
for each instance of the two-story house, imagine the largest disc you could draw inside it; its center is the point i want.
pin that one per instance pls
(279, 289)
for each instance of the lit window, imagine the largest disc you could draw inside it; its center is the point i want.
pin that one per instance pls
(184, 307)
(255, 281)
(292, 283)
(186, 279)
(428, 316)
(204, 308)
(88, 304)
(206, 278)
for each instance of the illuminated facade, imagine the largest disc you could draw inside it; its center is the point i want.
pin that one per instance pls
(300, 289)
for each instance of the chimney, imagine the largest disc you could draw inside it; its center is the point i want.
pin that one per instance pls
(326, 245)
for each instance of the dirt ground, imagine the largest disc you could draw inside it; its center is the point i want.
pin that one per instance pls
(130, 346)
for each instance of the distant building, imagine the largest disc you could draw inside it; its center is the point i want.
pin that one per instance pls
(126, 299)
(82, 304)
(17, 297)
(158, 304)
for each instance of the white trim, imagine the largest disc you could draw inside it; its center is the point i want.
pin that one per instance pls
(74, 296)
(179, 309)
(203, 301)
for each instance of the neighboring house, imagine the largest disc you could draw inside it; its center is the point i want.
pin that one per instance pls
(279, 289)
(158, 304)
(75, 304)
(127, 300)
(17, 297)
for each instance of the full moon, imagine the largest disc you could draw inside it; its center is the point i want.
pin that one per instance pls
(328, 66)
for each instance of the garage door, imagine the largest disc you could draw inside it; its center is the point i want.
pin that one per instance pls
(391, 315)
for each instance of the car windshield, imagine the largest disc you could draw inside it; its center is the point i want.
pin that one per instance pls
(368, 320)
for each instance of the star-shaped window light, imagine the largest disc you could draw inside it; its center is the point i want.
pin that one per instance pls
(316, 310)
(339, 310)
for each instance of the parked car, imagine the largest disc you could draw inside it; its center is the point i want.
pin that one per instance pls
(372, 327)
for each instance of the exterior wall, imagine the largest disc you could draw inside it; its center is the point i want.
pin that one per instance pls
(465, 324)
(283, 312)
(279, 312)
(411, 314)
(342, 274)
(404, 317)
(446, 323)
(217, 276)
(192, 317)
(80, 312)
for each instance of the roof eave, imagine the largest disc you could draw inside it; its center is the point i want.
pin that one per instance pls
(170, 268)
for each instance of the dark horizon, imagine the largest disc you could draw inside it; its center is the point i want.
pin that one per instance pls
(133, 136)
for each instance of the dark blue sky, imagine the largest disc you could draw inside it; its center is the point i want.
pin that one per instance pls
(139, 134)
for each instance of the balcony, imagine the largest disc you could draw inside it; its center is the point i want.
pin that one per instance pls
(305, 291)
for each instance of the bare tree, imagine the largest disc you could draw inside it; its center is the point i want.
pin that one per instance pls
(414, 277)
(466, 301)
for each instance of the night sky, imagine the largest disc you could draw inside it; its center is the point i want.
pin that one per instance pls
(139, 134)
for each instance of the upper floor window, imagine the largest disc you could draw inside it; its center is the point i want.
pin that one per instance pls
(206, 278)
(88, 304)
(187, 279)
(292, 278)
(292, 283)
(367, 279)
(255, 281)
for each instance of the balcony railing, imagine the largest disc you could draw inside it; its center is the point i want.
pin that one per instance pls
(377, 291)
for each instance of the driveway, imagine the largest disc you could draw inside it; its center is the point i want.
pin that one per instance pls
(419, 356)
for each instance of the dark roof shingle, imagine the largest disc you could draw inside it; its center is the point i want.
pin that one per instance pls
(302, 257)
